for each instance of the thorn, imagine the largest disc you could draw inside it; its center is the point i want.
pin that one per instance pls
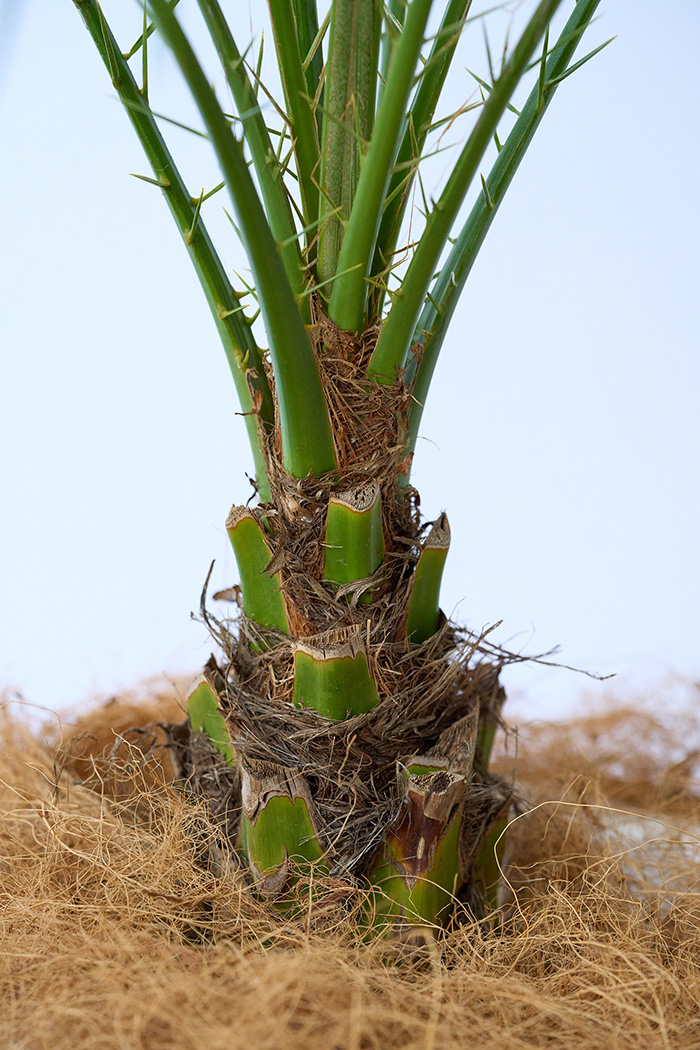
(438, 307)
(189, 236)
(144, 56)
(108, 41)
(541, 79)
(209, 194)
(487, 196)
(223, 313)
(163, 183)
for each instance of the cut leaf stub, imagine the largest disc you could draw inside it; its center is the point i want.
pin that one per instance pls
(332, 675)
(417, 873)
(433, 801)
(278, 834)
(354, 545)
(206, 716)
(423, 616)
(262, 596)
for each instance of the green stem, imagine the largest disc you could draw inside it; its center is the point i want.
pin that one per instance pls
(397, 332)
(348, 299)
(439, 308)
(348, 114)
(420, 117)
(306, 19)
(299, 104)
(490, 707)
(395, 11)
(235, 333)
(267, 167)
(307, 442)
(488, 866)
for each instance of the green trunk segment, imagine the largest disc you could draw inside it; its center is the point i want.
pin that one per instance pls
(277, 828)
(206, 717)
(332, 676)
(307, 442)
(262, 598)
(235, 333)
(348, 300)
(396, 335)
(348, 114)
(420, 117)
(417, 875)
(437, 313)
(424, 602)
(267, 167)
(299, 104)
(354, 545)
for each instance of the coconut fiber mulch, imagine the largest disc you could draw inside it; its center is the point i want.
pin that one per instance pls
(125, 926)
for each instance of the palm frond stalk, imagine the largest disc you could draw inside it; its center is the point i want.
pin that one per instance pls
(347, 726)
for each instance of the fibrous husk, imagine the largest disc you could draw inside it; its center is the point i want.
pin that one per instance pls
(117, 933)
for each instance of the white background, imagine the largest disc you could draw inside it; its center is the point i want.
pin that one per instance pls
(561, 435)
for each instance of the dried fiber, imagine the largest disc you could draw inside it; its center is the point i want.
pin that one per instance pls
(115, 933)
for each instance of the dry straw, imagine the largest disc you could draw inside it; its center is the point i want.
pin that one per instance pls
(117, 932)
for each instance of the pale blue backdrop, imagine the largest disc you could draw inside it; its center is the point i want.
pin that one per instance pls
(563, 444)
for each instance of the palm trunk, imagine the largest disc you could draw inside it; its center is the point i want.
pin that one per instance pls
(354, 725)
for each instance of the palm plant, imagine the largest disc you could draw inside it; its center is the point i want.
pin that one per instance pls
(348, 726)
